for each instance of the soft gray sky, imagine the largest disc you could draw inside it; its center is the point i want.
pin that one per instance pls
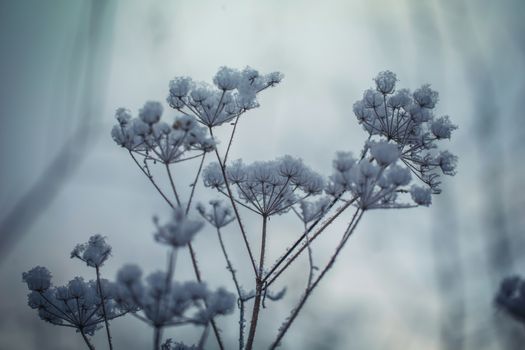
(382, 292)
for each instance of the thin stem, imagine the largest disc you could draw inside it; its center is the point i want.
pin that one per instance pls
(172, 183)
(301, 249)
(104, 313)
(86, 339)
(348, 232)
(310, 260)
(65, 316)
(258, 289)
(194, 184)
(234, 205)
(150, 178)
(237, 286)
(203, 337)
(172, 256)
(216, 330)
(231, 138)
(157, 335)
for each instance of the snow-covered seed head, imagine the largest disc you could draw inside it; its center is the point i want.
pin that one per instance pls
(94, 253)
(179, 231)
(77, 287)
(219, 215)
(212, 176)
(227, 78)
(123, 116)
(385, 82)
(426, 97)
(384, 153)
(511, 297)
(442, 128)
(38, 279)
(421, 195)
(129, 274)
(151, 111)
(180, 86)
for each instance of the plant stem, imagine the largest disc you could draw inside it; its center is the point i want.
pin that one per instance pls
(258, 289)
(234, 205)
(303, 247)
(194, 184)
(157, 335)
(106, 323)
(86, 339)
(308, 292)
(150, 178)
(198, 276)
(172, 183)
(238, 287)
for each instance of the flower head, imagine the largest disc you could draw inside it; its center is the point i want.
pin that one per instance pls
(179, 231)
(38, 279)
(94, 253)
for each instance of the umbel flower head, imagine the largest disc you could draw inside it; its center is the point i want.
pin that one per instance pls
(376, 181)
(511, 297)
(179, 231)
(38, 279)
(167, 303)
(234, 93)
(94, 253)
(407, 120)
(268, 188)
(219, 215)
(156, 140)
(77, 304)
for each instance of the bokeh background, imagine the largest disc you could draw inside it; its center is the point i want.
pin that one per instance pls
(415, 279)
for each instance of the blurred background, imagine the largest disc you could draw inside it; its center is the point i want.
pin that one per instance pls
(414, 279)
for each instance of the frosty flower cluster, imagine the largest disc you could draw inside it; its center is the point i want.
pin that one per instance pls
(267, 188)
(179, 231)
(166, 303)
(407, 119)
(313, 210)
(511, 297)
(220, 214)
(94, 253)
(233, 93)
(399, 167)
(157, 140)
(375, 181)
(79, 304)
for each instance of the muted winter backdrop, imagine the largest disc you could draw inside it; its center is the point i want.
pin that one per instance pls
(420, 279)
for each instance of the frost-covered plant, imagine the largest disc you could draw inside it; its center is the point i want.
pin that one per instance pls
(403, 137)
(511, 297)
(80, 305)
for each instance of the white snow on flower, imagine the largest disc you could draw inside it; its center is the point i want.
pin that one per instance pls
(421, 195)
(37, 279)
(179, 231)
(385, 82)
(150, 113)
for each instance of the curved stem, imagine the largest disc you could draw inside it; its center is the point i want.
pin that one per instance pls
(258, 289)
(216, 330)
(289, 261)
(238, 287)
(157, 335)
(150, 178)
(194, 184)
(86, 339)
(234, 205)
(308, 292)
(106, 323)
(172, 183)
